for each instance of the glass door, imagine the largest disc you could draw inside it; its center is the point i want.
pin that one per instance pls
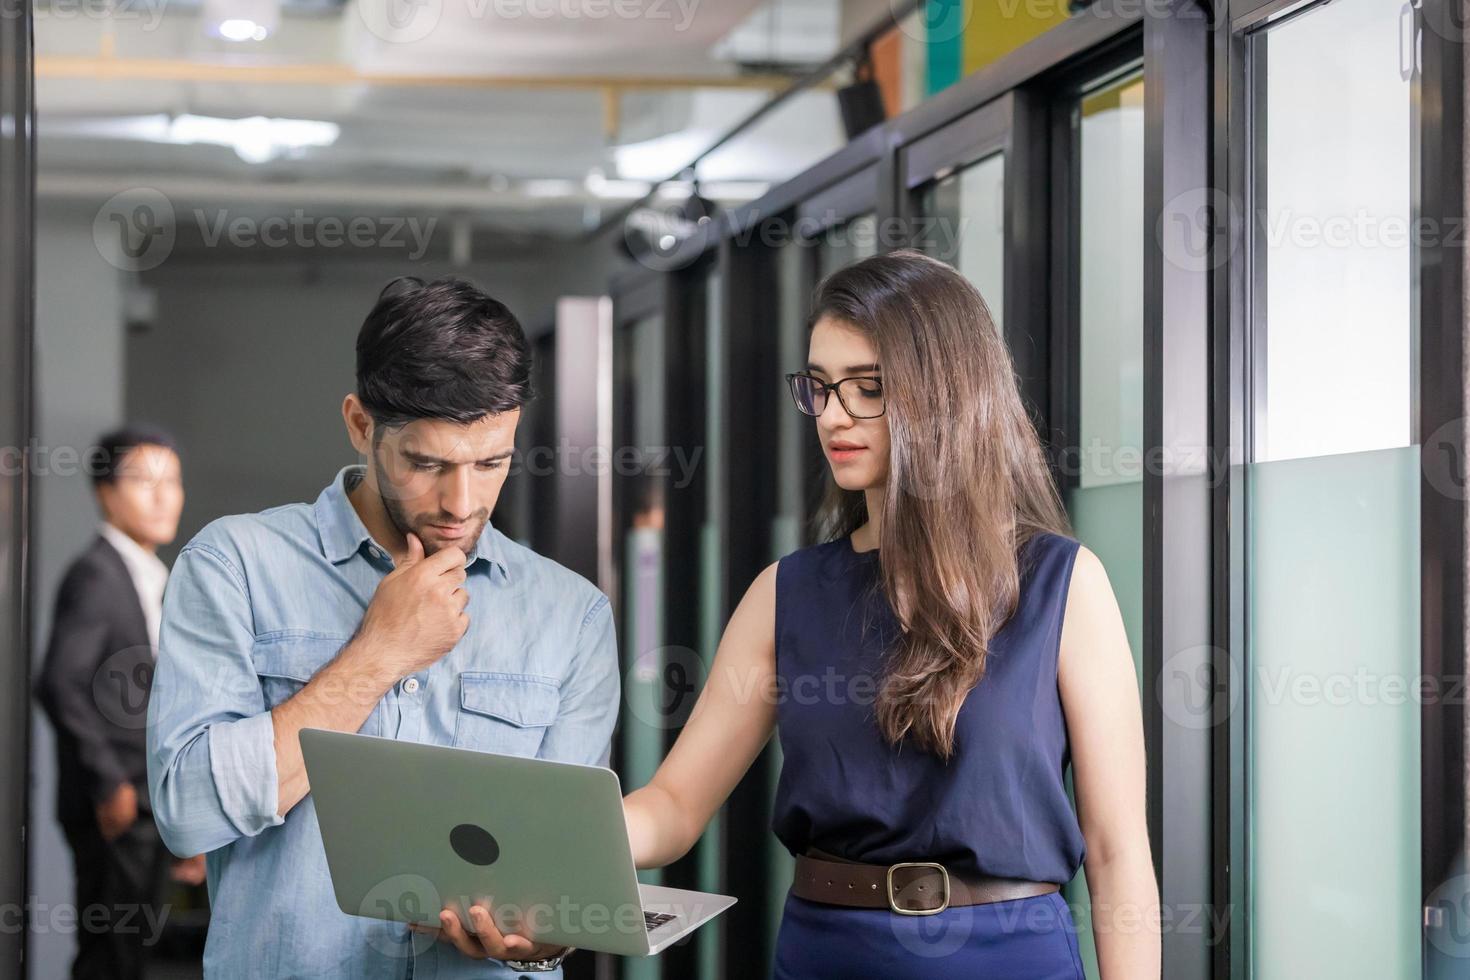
(956, 208)
(1098, 257)
(974, 196)
(1332, 508)
(640, 493)
(835, 228)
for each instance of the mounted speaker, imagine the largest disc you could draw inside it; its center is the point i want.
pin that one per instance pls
(861, 104)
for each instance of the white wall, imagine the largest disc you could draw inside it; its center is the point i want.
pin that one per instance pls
(79, 395)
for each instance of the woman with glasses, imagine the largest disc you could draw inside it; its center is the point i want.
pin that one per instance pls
(932, 668)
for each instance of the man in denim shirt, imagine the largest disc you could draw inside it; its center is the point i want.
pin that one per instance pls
(392, 607)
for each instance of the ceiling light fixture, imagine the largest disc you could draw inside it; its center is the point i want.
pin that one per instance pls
(241, 20)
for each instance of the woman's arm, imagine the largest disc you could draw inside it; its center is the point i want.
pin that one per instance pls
(730, 724)
(1099, 691)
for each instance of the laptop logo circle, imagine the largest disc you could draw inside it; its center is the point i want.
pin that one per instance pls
(474, 843)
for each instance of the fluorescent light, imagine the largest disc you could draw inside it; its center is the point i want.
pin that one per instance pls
(255, 139)
(241, 29)
(652, 159)
(241, 20)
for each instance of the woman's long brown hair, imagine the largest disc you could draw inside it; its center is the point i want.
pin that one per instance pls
(967, 483)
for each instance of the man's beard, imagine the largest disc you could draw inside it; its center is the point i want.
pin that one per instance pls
(407, 523)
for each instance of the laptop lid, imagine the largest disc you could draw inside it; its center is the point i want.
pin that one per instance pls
(408, 827)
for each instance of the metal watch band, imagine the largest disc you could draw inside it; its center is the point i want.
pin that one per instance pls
(539, 966)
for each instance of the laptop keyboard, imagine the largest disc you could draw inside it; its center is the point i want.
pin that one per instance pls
(652, 920)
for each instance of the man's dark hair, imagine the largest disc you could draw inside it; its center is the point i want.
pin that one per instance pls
(440, 350)
(107, 453)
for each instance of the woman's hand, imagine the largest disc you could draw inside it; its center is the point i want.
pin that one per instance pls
(484, 940)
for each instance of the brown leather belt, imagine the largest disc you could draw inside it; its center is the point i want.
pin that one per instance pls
(908, 887)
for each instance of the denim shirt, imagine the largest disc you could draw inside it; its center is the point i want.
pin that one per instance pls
(257, 604)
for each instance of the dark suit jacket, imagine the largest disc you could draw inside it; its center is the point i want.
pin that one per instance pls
(95, 683)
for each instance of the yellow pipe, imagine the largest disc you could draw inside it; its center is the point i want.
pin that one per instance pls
(169, 70)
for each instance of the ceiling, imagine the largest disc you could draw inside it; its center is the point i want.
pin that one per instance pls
(535, 118)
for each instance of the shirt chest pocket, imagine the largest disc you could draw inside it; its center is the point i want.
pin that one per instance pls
(505, 713)
(284, 663)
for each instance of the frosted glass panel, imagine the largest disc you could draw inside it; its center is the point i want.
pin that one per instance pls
(1332, 509)
(1333, 589)
(967, 227)
(1338, 232)
(1111, 288)
(794, 297)
(1104, 494)
(642, 642)
(711, 579)
(1109, 520)
(847, 243)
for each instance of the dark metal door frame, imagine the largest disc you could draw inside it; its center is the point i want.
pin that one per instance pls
(17, 331)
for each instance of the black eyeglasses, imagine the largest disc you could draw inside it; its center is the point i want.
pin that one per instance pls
(860, 397)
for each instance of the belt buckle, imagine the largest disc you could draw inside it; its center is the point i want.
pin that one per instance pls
(944, 876)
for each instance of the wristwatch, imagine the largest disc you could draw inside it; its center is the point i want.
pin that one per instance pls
(540, 966)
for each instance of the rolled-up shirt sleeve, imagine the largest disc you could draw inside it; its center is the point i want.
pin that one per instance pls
(211, 748)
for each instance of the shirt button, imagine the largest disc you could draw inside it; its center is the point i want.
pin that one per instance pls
(411, 685)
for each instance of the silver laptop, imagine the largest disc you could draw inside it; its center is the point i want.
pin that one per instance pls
(409, 828)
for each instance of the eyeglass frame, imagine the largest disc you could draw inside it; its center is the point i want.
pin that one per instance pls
(831, 387)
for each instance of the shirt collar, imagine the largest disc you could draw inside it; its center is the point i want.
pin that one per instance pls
(139, 559)
(343, 532)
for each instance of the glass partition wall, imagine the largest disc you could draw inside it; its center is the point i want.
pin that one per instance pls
(1097, 254)
(1332, 552)
(1346, 584)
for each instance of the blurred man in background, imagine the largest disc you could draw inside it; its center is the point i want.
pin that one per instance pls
(94, 686)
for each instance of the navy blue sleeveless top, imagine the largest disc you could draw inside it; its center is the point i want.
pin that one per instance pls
(999, 806)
